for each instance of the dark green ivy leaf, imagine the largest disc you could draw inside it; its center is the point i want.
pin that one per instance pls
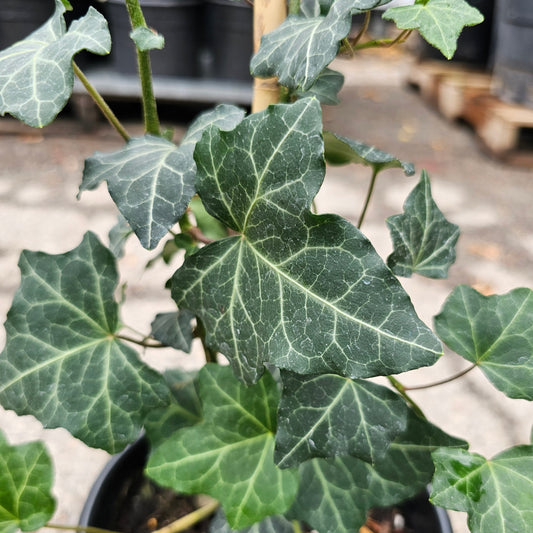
(62, 362)
(271, 524)
(174, 329)
(424, 241)
(328, 415)
(36, 74)
(497, 494)
(303, 292)
(494, 332)
(26, 476)
(229, 456)
(325, 88)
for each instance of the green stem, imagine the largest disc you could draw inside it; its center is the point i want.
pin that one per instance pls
(87, 529)
(101, 103)
(143, 343)
(401, 389)
(368, 197)
(187, 521)
(210, 355)
(294, 7)
(362, 31)
(442, 381)
(151, 118)
(384, 43)
(296, 526)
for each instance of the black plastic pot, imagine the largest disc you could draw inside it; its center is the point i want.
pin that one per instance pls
(229, 39)
(19, 18)
(177, 20)
(475, 42)
(513, 61)
(124, 471)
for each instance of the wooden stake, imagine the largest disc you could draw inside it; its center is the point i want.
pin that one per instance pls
(268, 15)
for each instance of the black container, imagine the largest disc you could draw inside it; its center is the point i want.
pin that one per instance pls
(229, 39)
(177, 20)
(513, 60)
(19, 18)
(475, 42)
(123, 471)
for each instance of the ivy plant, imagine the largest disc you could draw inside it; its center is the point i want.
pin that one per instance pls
(291, 433)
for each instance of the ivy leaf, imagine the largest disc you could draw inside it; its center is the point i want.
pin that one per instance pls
(209, 226)
(26, 477)
(36, 75)
(184, 409)
(328, 415)
(62, 362)
(118, 235)
(174, 329)
(325, 88)
(301, 48)
(271, 524)
(495, 493)
(341, 151)
(440, 22)
(494, 332)
(147, 39)
(303, 292)
(230, 454)
(150, 179)
(335, 494)
(424, 241)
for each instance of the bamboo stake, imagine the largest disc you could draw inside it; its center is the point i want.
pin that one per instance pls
(268, 15)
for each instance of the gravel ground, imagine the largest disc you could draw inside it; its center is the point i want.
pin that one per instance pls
(491, 202)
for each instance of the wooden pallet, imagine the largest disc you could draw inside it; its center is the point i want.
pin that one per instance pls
(460, 93)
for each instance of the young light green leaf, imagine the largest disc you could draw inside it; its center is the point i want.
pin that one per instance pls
(174, 329)
(303, 292)
(150, 179)
(271, 524)
(497, 494)
(26, 477)
(62, 363)
(209, 226)
(325, 88)
(494, 332)
(424, 241)
(301, 48)
(335, 494)
(36, 75)
(147, 39)
(328, 415)
(439, 21)
(342, 151)
(230, 454)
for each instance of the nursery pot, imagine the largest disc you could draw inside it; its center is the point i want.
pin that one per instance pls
(513, 61)
(474, 43)
(19, 18)
(177, 20)
(120, 484)
(229, 39)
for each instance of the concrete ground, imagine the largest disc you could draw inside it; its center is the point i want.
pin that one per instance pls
(40, 172)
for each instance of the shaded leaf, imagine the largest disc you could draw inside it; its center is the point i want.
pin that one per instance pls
(36, 75)
(271, 524)
(341, 151)
(325, 88)
(147, 39)
(335, 494)
(230, 454)
(301, 48)
(174, 329)
(440, 22)
(118, 235)
(303, 292)
(150, 179)
(62, 363)
(497, 494)
(494, 332)
(424, 241)
(328, 415)
(26, 477)
(209, 226)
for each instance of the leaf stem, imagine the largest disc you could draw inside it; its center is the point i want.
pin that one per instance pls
(87, 529)
(210, 355)
(296, 526)
(101, 103)
(384, 43)
(368, 197)
(151, 118)
(362, 31)
(294, 7)
(144, 342)
(401, 389)
(442, 381)
(187, 521)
